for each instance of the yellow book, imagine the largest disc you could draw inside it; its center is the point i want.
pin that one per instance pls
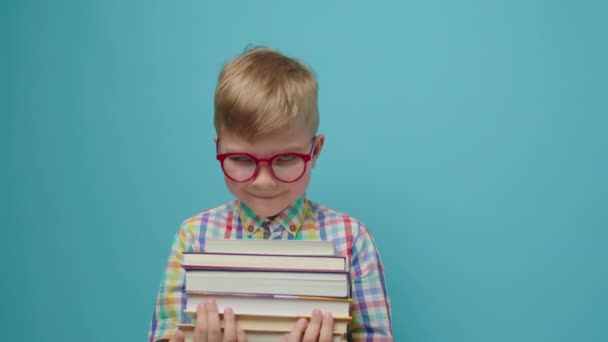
(279, 324)
(252, 335)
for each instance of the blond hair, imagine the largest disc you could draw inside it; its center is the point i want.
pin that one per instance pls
(263, 91)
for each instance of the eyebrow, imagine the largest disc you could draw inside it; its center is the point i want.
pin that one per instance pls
(289, 148)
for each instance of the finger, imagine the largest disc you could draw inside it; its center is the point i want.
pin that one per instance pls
(201, 327)
(229, 325)
(327, 328)
(312, 330)
(177, 337)
(285, 337)
(240, 335)
(213, 320)
(298, 330)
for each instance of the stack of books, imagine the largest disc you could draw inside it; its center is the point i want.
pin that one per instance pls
(269, 284)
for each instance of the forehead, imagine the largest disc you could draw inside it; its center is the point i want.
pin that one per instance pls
(295, 138)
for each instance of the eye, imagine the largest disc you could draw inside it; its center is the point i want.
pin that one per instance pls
(240, 159)
(286, 158)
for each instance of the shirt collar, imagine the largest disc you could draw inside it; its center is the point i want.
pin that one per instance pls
(290, 219)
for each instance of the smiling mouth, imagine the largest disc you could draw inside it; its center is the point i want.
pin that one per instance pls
(265, 197)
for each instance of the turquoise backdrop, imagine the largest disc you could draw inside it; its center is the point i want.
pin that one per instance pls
(470, 136)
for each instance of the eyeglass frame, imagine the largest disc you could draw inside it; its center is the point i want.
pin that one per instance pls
(221, 157)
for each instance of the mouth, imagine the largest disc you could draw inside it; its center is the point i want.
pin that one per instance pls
(265, 197)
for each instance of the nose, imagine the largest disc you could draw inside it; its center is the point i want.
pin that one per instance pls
(264, 176)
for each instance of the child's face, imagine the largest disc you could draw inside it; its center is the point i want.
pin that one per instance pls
(264, 194)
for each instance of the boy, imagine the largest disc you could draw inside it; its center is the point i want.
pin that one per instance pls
(266, 120)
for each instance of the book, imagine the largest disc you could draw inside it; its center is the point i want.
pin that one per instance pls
(269, 284)
(270, 305)
(273, 247)
(257, 261)
(253, 323)
(252, 336)
(263, 281)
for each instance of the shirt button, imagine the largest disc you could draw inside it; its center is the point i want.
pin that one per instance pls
(250, 229)
(292, 228)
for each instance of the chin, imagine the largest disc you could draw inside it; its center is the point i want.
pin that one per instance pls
(266, 209)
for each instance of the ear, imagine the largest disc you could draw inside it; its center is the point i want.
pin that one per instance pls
(215, 137)
(319, 141)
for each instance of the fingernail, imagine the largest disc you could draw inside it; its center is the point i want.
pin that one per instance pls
(228, 311)
(316, 312)
(327, 314)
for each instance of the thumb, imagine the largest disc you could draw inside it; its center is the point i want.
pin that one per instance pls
(240, 335)
(178, 337)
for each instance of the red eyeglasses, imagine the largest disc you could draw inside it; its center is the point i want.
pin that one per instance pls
(285, 167)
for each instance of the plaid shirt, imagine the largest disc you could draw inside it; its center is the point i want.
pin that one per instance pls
(304, 220)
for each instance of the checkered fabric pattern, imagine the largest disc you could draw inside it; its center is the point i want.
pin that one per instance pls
(304, 220)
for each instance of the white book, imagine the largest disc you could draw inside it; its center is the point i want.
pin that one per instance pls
(257, 261)
(270, 305)
(320, 284)
(274, 247)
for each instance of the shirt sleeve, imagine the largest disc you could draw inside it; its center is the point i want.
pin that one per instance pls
(171, 298)
(371, 305)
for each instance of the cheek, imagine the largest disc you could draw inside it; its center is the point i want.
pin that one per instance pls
(234, 187)
(301, 185)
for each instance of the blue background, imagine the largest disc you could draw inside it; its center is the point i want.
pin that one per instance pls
(470, 136)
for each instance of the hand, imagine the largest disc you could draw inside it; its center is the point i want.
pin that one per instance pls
(207, 328)
(320, 328)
